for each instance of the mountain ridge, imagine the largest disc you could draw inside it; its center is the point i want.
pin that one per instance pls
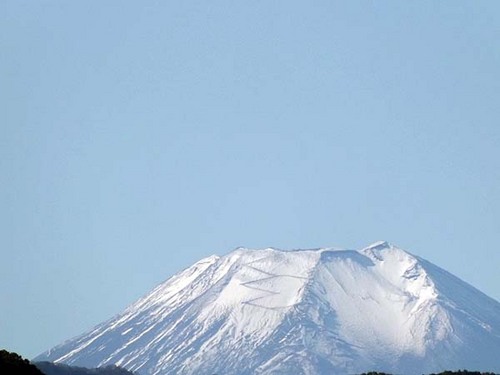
(318, 310)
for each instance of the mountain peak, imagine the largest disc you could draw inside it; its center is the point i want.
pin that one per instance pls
(378, 245)
(307, 311)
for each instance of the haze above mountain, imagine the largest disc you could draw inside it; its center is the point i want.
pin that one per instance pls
(314, 312)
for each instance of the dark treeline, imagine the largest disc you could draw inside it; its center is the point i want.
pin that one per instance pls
(459, 372)
(14, 364)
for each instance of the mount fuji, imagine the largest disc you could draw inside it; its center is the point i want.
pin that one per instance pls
(315, 312)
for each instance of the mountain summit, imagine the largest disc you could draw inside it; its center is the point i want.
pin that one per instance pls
(315, 312)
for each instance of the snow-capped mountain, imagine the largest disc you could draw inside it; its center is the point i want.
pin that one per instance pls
(320, 311)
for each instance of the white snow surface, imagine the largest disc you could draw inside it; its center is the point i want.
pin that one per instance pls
(314, 312)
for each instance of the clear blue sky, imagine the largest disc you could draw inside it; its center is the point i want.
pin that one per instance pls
(138, 137)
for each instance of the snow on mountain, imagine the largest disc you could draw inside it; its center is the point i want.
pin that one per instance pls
(313, 312)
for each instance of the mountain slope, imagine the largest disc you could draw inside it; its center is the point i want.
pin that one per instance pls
(303, 312)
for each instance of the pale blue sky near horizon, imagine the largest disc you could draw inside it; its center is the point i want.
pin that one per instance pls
(139, 137)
